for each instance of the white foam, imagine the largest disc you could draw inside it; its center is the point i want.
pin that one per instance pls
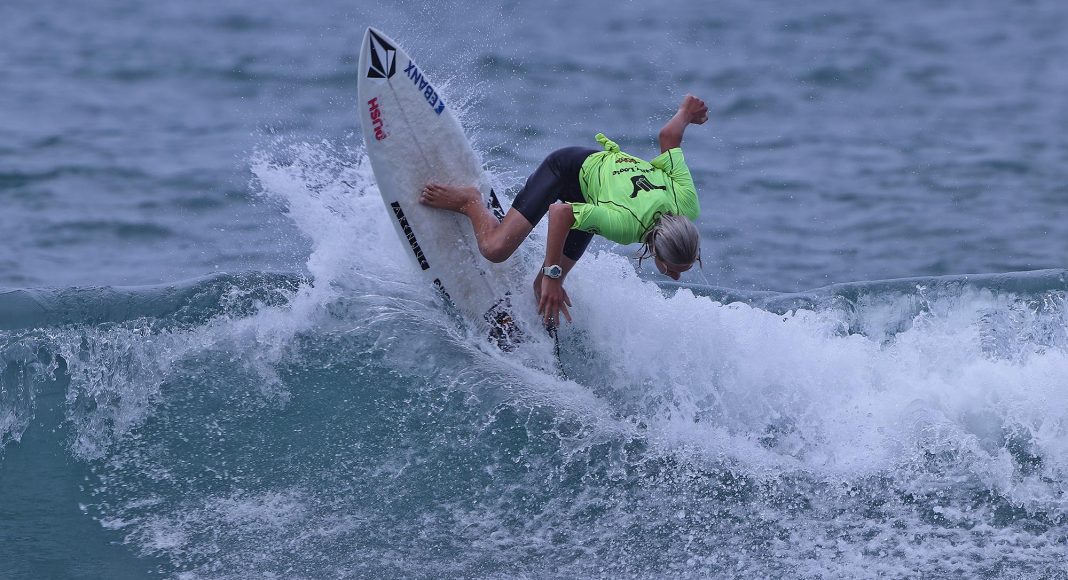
(792, 391)
(770, 391)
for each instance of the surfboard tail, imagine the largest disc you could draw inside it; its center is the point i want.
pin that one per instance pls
(504, 330)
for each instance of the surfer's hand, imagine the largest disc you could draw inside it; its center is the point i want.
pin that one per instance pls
(694, 110)
(552, 301)
(537, 288)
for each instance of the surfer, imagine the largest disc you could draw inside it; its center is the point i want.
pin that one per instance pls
(609, 192)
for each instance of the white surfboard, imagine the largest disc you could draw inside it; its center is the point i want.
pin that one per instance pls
(412, 139)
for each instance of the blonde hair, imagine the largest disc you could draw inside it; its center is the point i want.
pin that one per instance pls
(673, 239)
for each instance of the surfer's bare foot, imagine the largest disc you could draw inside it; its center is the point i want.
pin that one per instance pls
(451, 197)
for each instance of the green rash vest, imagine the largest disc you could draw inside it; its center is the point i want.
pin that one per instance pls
(624, 194)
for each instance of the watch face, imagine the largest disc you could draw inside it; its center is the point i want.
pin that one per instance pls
(553, 271)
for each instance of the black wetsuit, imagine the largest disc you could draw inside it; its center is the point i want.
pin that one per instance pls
(556, 179)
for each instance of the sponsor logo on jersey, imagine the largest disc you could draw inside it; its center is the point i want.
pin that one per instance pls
(634, 169)
(376, 119)
(383, 58)
(410, 235)
(642, 183)
(431, 96)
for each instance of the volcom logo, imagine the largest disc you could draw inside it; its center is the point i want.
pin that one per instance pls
(383, 59)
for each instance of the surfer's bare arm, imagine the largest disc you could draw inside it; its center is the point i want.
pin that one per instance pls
(553, 300)
(692, 110)
(566, 264)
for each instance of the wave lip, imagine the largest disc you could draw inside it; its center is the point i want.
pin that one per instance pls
(1026, 283)
(191, 301)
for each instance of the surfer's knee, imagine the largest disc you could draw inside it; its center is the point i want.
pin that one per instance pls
(497, 253)
(498, 249)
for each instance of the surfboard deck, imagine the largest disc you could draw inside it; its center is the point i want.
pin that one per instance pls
(412, 139)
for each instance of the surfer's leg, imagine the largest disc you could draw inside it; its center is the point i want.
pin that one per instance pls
(497, 240)
(556, 179)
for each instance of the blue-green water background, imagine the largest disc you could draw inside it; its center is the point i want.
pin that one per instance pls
(178, 397)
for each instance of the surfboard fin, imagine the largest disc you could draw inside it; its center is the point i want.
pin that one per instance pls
(495, 206)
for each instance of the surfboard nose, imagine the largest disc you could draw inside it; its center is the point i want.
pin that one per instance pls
(378, 55)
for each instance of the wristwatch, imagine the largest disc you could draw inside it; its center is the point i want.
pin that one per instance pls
(553, 271)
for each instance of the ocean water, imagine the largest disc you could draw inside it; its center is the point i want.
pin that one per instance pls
(216, 360)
